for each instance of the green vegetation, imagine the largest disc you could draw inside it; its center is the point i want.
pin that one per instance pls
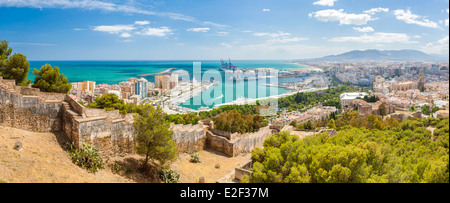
(13, 67)
(154, 137)
(403, 152)
(109, 102)
(49, 79)
(371, 99)
(184, 119)
(169, 176)
(17, 68)
(86, 157)
(242, 109)
(305, 126)
(233, 121)
(195, 158)
(5, 52)
(303, 100)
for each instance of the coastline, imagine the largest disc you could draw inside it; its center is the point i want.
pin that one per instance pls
(243, 101)
(309, 67)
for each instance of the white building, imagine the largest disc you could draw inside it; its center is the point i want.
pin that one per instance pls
(116, 92)
(141, 88)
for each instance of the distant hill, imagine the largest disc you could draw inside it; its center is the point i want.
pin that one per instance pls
(377, 55)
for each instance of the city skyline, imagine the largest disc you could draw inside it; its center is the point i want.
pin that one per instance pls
(253, 30)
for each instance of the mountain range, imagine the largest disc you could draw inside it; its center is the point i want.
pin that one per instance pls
(377, 55)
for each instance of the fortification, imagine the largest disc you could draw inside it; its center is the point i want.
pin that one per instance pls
(108, 131)
(30, 109)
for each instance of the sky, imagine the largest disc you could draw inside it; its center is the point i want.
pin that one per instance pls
(215, 29)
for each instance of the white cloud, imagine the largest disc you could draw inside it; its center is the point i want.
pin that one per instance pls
(379, 37)
(114, 29)
(446, 21)
(286, 40)
(325, 2)
(101, 5)
(222, 34)
(278, 34)
(439, 47)
(205, 29)
(78, 29)
(126, 35)
(411, 18)
(142, 22)
(266, 10)
(332, 15)
(364, 29)
(373, 11)
(279, 37)
(127, 31)
(206, 23)
(226, 45)
(160, 32)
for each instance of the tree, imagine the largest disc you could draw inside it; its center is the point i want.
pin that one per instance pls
(394, 154)
(426, 110)
(109, 102)
(331, 124)
(233, 121)
(5, 52)
(16, 68)
(49, 79)
(154, 137)
(382, 109)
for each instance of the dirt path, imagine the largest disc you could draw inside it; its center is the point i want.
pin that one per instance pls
(191, 172)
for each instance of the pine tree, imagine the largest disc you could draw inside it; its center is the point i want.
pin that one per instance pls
(16, 68)
(154, 136)
(49, 79)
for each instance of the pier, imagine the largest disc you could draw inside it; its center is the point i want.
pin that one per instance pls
(160, 73)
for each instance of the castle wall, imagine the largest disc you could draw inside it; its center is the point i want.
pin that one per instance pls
(110, 132)
(188, 138)
(30, 109)
(32, 113)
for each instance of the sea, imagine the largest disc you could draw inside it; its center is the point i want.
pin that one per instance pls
(114, 72)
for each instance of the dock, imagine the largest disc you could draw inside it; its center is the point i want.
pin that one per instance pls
(160, 73)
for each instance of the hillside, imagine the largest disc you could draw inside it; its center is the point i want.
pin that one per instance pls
(43, 160)
(377, 55)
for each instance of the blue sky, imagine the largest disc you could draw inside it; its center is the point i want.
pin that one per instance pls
(214, 29)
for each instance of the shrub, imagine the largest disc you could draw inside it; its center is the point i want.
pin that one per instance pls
(86, 157)
(169, 176)
(195, 158)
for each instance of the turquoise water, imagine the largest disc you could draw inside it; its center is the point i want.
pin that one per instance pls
(113, 72)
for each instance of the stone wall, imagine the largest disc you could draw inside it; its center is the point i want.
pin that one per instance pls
(30, 109)
(240, 144)
(110, 132)
(243, 170)
(189, 138)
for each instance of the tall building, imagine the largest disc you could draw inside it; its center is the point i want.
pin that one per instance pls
(421, 84)
(173, 81)
(141, 88)
(166, 82)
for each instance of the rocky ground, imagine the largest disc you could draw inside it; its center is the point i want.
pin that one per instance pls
(192, 172)
(43, 159)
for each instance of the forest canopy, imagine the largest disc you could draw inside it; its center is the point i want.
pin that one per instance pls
(407, 153)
